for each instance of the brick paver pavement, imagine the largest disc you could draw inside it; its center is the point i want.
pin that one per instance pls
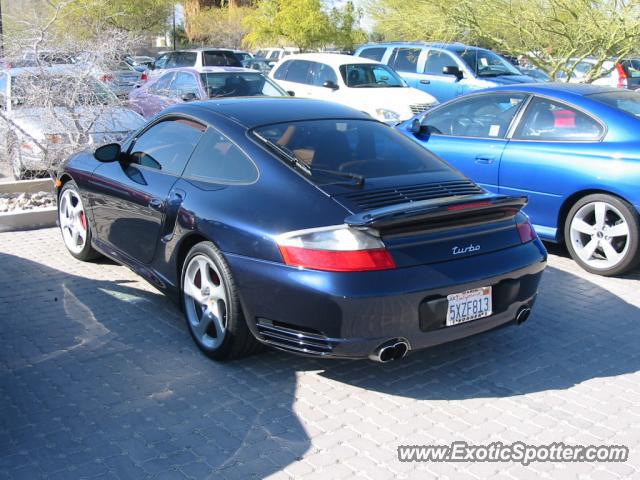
(100, 379)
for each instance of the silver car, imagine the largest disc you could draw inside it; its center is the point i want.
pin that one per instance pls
(48, 113)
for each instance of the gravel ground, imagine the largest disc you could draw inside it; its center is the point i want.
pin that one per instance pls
(13, 202)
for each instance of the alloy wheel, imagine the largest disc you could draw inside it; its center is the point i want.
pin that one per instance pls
(599, 235)
(73, 221)
(205, 301)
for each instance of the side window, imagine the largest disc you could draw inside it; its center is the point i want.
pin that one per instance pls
(185, 83)
(322, 73)
(167, 145)
(405, 59)
(161, 87)
(281, 72)
(217, 159)
(486, 116)
(298, 71)
(273, 55)
(161, 62)
(436, 61)
(374, 53)
(548, 121)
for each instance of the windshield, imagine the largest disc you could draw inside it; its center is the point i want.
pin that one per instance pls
(228, 84)
(367, 75)
(59, 91)
(488, 64)
(329, 150)
(627, 101)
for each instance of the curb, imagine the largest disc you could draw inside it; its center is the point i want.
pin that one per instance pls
(28, 219)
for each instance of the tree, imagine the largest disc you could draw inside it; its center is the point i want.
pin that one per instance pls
(553, 34)
(345, 23)
(217, 26)
(301, 23)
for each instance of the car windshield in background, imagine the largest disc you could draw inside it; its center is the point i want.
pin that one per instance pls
(487, 64)
(228, 84)
(60, 90)
(330, 151)
(624, 100)
(359, 75)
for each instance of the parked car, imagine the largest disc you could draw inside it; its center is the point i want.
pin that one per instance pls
(196, 58)
(140, 63)
(189, 84)
(572, 149)
(445, 70)
(536, 73)
(274, 55)
(360, 83)
(243, 56)
(259, 64)
(120, 78)
(34, 133)
(293, 223)
(623, 74)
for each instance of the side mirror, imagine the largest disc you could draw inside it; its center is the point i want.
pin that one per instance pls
(291, 93)
(453, 70)
(108, 153)
(330, 84)
(188, 97)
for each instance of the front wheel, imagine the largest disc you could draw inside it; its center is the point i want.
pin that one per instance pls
(601, 233)
(75, 228)
(212, 306)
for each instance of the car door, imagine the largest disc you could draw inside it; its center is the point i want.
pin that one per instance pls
(433, 81)
(405, 61)
(133, 201)
(319, 75)
(553, 146)
(470, 133)
(295, 78)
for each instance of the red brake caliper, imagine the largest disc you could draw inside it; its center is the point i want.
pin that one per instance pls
(83, 219)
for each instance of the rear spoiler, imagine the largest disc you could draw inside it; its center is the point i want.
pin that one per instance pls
(440, 211)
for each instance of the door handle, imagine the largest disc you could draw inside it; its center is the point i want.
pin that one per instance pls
(485, 159)
(156, 204)
(425, 82)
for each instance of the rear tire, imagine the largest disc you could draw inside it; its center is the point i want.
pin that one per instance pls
(212, 306)
(601, 233)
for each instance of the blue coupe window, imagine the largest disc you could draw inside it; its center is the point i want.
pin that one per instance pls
(624, 100)
(216, 159)
(327, 150)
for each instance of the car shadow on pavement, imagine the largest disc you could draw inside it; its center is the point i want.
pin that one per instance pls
(99, 377)
(578, 331)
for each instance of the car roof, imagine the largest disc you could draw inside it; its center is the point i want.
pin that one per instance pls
(454, 47)
(551, 88)
(201, 49)
(252, 112)
(218, 69)
(333, 59)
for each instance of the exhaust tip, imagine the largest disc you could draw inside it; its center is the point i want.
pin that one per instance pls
(523, 315)
(390, 351)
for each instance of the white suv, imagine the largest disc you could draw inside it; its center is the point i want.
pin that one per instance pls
(360, 83)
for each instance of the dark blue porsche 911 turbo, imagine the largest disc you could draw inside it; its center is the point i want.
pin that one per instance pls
(303, 225)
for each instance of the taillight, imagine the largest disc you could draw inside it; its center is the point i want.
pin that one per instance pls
(144, 77)
(622, 76)
(336, 249)
(526, 231)
(106, 78)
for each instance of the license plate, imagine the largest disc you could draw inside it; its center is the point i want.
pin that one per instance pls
(469, 305)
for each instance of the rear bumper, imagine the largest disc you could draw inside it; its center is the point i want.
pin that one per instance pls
(349, 315)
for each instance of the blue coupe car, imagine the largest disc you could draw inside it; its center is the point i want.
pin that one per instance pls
(304, 225)
(572, 149)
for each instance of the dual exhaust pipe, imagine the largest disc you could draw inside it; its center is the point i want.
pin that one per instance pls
(387, 352)
(397, 349)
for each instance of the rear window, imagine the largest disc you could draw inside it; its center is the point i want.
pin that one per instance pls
(624, 100)
(632, 67)
(220, 58)
(375, 53)
(329, 150)
(181, 59)
(247, 84)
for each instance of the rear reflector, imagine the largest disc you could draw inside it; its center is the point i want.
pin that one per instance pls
(526, 231)
(622, 76)
(338, 261)
(467, 206)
